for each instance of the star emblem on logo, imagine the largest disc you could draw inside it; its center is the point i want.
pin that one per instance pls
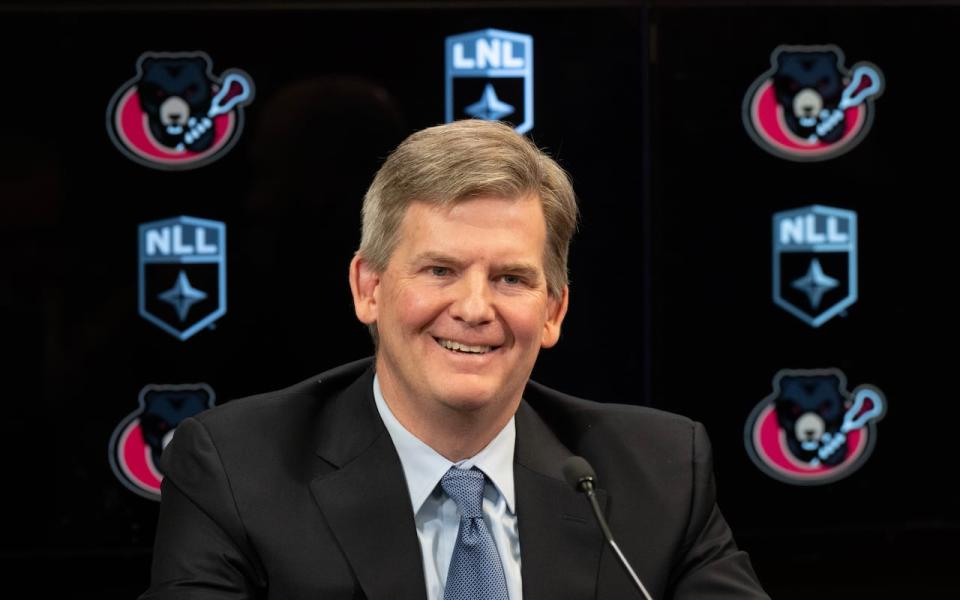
(489, 107)
(182, 296)
(815, 283)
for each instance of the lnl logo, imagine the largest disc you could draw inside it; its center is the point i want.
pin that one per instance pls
(815, 262)
(489, 75)
(183, 274)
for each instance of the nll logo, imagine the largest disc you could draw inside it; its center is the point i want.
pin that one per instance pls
(183, 274)
(815, 262)
(489, 75)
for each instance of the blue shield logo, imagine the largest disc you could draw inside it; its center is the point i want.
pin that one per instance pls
(815, 262)
(183, 274)
(489, 75)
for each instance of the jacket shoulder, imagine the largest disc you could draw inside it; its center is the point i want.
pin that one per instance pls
(289, 405)
(573, 418)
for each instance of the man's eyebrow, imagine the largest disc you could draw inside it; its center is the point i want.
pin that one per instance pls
(516, 268)
(435, 257)
(520, 268)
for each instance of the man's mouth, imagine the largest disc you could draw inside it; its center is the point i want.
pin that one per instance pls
(464, 348)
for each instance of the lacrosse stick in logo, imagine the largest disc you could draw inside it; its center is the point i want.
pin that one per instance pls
(864, 83)
(222, 103)
(855, 418)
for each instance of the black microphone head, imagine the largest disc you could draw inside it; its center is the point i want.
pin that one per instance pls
(577, 472)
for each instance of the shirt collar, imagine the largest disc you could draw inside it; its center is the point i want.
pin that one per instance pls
(423, 466)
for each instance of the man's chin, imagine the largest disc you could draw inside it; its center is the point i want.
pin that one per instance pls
(463, 397)
(469, 402)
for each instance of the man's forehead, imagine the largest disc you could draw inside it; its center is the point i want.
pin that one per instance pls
(465, 210)
(504, 230)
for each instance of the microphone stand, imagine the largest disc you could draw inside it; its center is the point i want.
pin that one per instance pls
(581, 476)
(587, 487)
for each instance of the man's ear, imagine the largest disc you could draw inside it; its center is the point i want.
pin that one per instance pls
(364, 281)
(556, 311)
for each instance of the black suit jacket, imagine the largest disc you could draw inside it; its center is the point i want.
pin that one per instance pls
(299, 494)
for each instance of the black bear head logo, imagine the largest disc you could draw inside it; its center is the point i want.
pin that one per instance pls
(810, 410)
(175, 93)
(163, 410)
(809, 87)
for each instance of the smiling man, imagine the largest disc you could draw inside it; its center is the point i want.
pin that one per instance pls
(434, 470)
(461, 309)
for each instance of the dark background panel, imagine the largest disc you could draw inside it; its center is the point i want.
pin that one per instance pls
(670, 270)
(888, 528)
(336, 90)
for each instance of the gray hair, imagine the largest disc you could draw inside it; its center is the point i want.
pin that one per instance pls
(459, 161)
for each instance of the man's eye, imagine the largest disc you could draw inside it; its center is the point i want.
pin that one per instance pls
(512, 279)
(439, 271)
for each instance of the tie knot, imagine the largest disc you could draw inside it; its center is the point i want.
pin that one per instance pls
(465, 487)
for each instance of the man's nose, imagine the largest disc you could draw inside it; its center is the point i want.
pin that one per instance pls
(473, 303)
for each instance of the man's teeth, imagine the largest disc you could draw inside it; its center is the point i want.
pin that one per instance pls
(450, 345)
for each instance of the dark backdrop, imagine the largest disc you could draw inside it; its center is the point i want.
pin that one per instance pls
(670, 300)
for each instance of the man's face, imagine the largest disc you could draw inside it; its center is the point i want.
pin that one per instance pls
(462, 308)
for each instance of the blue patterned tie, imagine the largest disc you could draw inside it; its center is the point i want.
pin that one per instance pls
(476, 572)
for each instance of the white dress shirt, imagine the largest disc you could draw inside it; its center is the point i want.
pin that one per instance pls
(436, 514)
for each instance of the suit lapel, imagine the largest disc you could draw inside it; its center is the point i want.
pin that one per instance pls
(560, 543)
(365, 499)
(366, 504)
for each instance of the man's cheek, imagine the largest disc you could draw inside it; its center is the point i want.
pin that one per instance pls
(417, 307)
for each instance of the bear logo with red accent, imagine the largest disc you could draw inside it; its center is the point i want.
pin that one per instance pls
(811, 430)
(138, 442)
(175, 114)
(808, 106)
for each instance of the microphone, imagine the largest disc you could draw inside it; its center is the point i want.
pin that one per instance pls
(581, 476)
